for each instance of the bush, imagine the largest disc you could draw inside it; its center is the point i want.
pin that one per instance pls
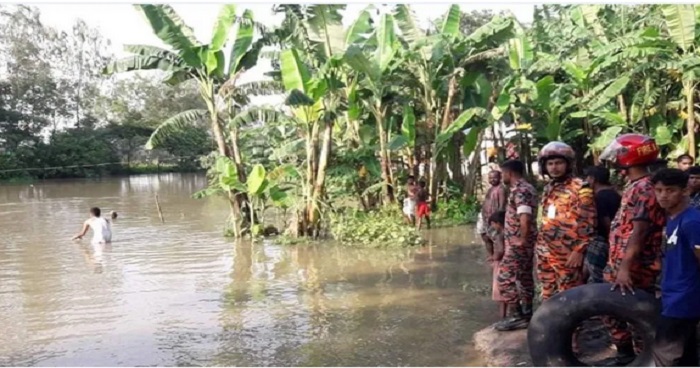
(377, 229)
(457, 212)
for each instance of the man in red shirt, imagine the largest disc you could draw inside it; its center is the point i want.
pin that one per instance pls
(636, 232)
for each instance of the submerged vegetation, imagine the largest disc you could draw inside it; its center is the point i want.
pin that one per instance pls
(367, 101)
(379, 229)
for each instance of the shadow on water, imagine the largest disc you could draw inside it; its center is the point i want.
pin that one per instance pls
(180, 294)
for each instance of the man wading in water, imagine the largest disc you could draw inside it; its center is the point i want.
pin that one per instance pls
(494, 201)
(568, 222)
(607, 202)
(676, 331)
(635, 232)
(515, 279)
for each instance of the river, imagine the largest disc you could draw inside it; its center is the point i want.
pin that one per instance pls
(179, 293)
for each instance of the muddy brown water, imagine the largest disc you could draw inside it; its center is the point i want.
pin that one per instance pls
(180, 293)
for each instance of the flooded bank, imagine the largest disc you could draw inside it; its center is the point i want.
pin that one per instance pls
(180, 294)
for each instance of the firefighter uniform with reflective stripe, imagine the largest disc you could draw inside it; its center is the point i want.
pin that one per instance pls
(568, 225)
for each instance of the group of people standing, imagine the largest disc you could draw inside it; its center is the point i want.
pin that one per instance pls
(416, 205)
(647, 238)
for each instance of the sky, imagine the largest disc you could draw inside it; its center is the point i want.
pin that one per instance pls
(122, 24)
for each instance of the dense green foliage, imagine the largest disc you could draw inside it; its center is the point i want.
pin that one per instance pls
(379, 229)
(457, 212)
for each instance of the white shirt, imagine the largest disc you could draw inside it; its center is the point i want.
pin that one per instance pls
(101, 230)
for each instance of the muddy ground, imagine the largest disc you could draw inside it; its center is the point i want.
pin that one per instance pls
(509, 349)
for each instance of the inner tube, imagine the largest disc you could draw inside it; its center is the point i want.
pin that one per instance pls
(553, 324)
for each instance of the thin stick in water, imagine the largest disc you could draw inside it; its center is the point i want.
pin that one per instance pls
(160, 212)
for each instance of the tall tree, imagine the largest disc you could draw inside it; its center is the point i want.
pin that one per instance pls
(189, 59)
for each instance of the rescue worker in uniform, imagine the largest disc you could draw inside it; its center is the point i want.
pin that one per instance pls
(568, 222)
(515, 274)
(636, 232)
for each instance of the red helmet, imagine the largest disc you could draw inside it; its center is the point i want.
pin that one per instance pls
(556, 149)
(630, 150)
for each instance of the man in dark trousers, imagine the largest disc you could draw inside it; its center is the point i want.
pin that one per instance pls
(607, 201)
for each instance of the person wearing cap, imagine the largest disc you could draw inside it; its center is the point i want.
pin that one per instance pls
(636, 232)
(568, 221)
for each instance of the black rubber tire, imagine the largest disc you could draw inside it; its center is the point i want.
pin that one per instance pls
(552, 325)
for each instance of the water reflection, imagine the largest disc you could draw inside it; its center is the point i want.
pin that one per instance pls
(180, 294)
(95, 255)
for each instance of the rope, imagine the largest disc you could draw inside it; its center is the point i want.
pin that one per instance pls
(77, 166)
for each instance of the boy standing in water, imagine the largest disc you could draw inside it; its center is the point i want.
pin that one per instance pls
(676, 330)
(409, 203)
(422, 205)
(101, 229)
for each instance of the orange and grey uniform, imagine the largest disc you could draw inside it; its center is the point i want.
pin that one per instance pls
(638, 204)
(515, 279)
(568, 225)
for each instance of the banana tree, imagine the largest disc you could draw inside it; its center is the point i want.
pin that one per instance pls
(376, 61)
(263, 189)
(680, 23)
(592, 76)
(445, 64)
(206, 64)
(619, 70)
(313, 76)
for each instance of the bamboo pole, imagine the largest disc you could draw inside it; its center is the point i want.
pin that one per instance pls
(160, 212)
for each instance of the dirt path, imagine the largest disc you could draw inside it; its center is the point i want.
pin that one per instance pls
(509, 349)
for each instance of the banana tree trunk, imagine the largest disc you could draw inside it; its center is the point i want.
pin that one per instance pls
(384, 158)
(689, 90)
(235, 201)
(434, 170)
(622, 106)
(448, 104)
(319, 186)
(305, 218)
(236, 153)
(474, 170)
(242, 202)
(455, 159)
